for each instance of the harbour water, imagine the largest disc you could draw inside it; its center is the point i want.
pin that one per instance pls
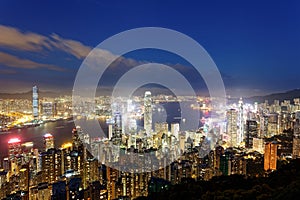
(62, 130)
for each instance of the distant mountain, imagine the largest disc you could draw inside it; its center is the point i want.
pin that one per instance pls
(28, 95)
(289, 95)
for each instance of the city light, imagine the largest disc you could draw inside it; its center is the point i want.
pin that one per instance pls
(14, 140)
(66, 145)
(48, 135)
(28, 144)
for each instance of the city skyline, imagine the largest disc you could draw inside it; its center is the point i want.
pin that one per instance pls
(253, 45)
(132, 100)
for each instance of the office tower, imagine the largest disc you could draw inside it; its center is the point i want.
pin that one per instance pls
(14, 154)
(258, 145)
(110, 131)
(148, 112)
(48, 141)
(175, 130)
(296, 140)
(232, 127)
(35, 102)
(251, 132)
(118, 124)
(14, 148)
(272, 124)
(182, 143)
(161, 127)
(47, 109)
(263, 127)
(76, 143)
(270, 156)
(240, 133)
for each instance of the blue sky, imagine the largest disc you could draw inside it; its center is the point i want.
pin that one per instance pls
(255, 44)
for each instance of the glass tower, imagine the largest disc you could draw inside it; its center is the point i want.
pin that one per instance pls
(148, 112)
(35, 102)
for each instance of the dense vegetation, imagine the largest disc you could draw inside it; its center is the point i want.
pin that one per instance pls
(281, 184)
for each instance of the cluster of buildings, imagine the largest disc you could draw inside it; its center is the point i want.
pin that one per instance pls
(132, 161)
(17, 113)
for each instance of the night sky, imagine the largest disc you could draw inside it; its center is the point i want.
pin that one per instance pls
(255, 44)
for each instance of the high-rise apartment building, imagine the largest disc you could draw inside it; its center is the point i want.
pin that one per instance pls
(270, 156)
(296, 140)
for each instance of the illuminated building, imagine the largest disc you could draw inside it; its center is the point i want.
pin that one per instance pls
(175, 129)
(3, 177)
(182, 143)
(14, 154)
(225, 164)
(35, 102)
(51, 165)
(148, 112)
(47, 109)
(258, 145)
(161, 127)
(43, 191)
(117, 130)
(24, 179)
(251, 132)
(270, 156)
(14, 148)
(296, 140)
(90, 172)
(216, 160)
(263, 127)
(76, 143)
(272, 124)
(240, 133)
(48, 141)
(238, 165)
(232, 127)
(110, 131)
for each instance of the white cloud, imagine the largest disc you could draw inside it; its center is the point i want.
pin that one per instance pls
(16, 62)
(13, 38)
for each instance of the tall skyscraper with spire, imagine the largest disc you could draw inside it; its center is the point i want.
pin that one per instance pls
(148, 112)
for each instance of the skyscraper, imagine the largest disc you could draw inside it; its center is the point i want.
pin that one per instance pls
(296, 140)
(240, 134)
(251, 132)
(270, 156)
(48, 141)
(161, 127)
(232, 127)
(14, 152)
(175, 129)
(35, 102)
(148, 112)
(14, 148)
